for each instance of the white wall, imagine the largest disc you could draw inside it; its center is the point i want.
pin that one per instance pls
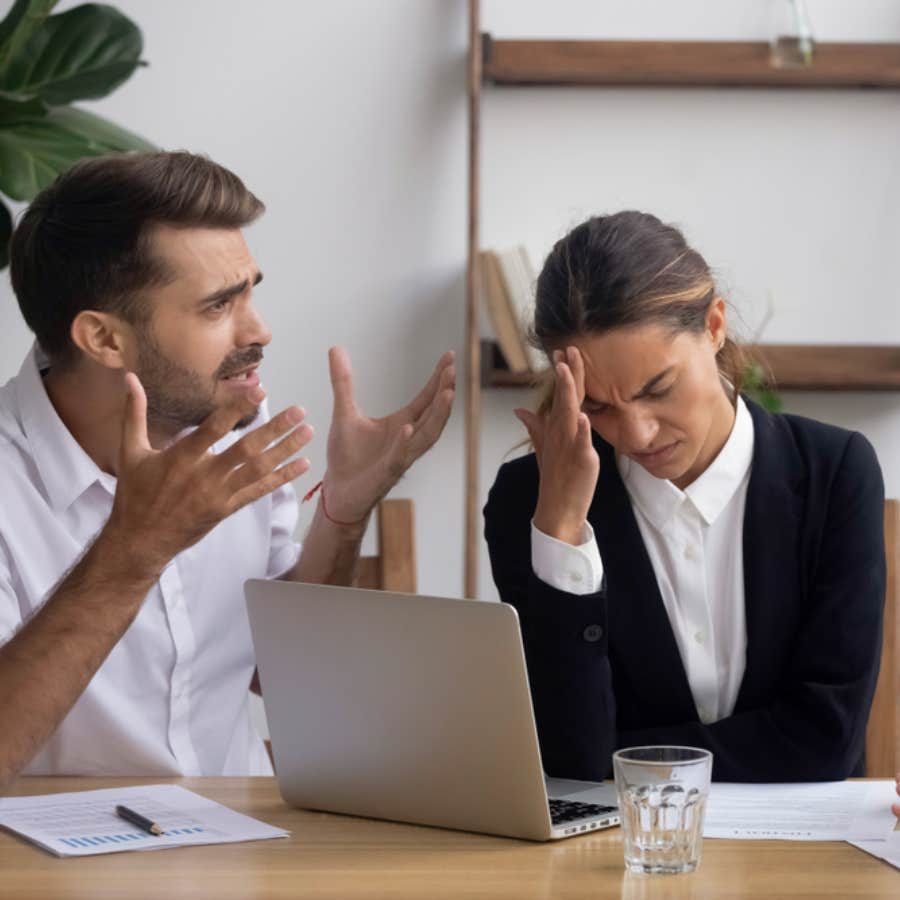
(348, 119)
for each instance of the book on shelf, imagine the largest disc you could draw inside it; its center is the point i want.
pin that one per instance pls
(508, 280)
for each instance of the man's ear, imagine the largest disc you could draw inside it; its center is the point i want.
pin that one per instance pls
(104, 337)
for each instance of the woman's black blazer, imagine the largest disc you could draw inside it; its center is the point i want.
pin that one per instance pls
(605, 670)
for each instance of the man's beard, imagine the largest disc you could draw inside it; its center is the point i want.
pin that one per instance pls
(179, 398)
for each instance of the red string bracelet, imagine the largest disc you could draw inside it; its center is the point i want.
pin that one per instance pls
(312, 492)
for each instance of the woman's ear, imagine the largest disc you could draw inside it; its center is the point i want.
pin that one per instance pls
(104, 337)
(716, 325)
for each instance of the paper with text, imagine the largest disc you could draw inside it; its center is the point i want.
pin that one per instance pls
(888, 850)
(828, 811)
(84, 823)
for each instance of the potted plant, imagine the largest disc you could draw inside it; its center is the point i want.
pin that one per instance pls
(47, 62)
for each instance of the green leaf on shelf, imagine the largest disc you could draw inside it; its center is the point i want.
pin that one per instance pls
(33, 151)
(82, 54)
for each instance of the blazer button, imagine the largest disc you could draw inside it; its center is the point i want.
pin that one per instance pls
(592, 634)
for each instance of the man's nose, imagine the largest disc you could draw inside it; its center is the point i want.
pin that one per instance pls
(253, 330)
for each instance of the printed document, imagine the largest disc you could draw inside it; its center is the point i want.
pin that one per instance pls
(888, 850)
(84, 823)
(829, 811)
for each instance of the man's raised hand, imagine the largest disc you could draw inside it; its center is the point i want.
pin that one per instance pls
(367, 456)
(166, 500)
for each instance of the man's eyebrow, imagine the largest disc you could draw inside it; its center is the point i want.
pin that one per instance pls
(233, 290)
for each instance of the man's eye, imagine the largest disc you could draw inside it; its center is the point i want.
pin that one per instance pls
(218, 306)
(593, 409)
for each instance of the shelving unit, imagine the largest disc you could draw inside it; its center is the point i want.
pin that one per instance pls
(788, 367)
(508, 63)
(684, 64)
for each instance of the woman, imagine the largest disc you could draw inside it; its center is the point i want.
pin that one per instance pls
(687, 567)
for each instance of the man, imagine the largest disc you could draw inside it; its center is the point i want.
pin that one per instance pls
(143, 482)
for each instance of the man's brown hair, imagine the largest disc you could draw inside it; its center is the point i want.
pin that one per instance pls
(84, 241)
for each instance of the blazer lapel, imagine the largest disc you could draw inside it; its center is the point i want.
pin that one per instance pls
(642, 644)
(772, 552)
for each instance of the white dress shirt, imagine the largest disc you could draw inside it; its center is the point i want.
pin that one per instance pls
(172, 696)
(694, 539)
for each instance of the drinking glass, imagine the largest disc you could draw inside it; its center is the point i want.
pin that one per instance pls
(662, 795)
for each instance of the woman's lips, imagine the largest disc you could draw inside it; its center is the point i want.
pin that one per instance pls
(656, 457)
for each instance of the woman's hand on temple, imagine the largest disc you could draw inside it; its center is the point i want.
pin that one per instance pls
(567, 460)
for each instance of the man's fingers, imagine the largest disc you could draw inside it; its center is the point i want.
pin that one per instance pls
(135, 440)
(432, 425)
(446, 381)
(266, 462)
(251, 446)
(341, 381)
(219, 423)
(271, 482)
(444, 375)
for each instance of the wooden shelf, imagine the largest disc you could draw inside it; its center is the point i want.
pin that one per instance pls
(684, 64)
(830, 367)
(793, 367)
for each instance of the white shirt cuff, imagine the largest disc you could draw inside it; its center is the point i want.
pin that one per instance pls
(566, 567)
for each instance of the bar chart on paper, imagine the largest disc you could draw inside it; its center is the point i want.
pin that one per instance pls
(85, 823)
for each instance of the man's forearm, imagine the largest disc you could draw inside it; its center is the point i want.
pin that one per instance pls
(45, 668)
(330, 552)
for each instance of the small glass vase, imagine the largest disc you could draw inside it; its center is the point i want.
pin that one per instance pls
(791, 45)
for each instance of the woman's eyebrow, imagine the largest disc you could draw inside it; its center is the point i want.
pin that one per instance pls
(646, 389)
(652, 383)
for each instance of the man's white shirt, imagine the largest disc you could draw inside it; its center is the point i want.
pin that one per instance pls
(694, 539)
(172, 696)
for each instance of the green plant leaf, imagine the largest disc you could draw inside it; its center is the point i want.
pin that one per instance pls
(82, 54)
(18, 26)
(12, 111)
(34, 151)
(6, 227)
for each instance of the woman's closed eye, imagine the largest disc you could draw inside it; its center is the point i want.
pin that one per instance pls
(593, 408)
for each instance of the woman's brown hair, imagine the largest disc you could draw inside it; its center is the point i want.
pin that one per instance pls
(623, 270)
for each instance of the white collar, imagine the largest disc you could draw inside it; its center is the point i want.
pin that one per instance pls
(659, 499)
(65, 469)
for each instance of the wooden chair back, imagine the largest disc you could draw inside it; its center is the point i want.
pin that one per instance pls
(883, 730)
(394, 567)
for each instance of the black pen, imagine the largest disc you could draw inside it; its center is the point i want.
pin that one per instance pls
(137, 819)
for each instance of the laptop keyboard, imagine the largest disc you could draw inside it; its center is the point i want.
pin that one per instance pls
(563, 811)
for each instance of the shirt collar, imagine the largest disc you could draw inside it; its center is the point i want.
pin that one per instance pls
(65, 469)
(659, 499)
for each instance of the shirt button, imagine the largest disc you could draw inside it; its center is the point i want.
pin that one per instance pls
(690, 551)
(592, 634)
(575, 576)
(700, 636)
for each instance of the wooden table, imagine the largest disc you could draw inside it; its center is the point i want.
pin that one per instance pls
(343, 857)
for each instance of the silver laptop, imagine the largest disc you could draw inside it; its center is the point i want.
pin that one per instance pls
(414, 709)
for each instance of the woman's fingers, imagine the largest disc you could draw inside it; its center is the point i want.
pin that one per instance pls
(576, 365)
(566, 406)
(534, 425)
